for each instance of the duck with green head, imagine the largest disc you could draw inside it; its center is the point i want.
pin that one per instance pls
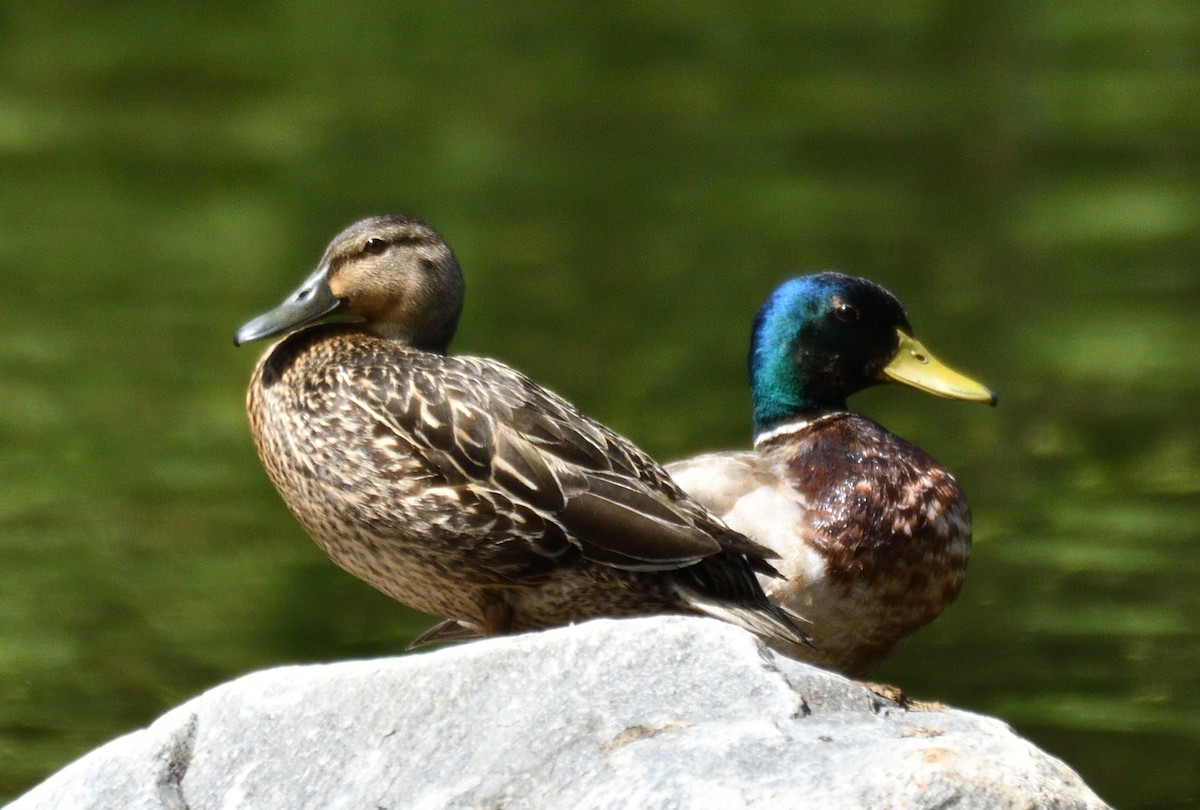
(459, 486)
(872, 533)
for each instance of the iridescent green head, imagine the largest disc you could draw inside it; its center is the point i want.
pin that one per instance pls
(818, 339)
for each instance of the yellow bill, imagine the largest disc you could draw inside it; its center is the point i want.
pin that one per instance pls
(912, 364)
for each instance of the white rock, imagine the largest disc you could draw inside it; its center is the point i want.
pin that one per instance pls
(664, 712)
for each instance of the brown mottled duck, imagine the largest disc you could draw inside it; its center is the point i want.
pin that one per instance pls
(459, 486)
(872, 533)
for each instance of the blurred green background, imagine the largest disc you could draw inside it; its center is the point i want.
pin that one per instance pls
(623, 185)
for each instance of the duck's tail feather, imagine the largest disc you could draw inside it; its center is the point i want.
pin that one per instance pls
(725, 587)
(764, 619)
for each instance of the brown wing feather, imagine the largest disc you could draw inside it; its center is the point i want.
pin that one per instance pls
(564, 479)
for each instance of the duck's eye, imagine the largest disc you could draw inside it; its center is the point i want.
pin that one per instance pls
(846, 313)
(375, 246)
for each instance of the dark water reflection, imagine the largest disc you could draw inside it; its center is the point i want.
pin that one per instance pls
(622, 189)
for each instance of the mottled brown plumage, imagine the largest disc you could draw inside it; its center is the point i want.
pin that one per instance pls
(873, 535)
(456, 484)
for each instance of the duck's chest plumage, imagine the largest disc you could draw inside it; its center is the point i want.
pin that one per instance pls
(877, 508)
(377, 450)
(880, 538)
(873, 534)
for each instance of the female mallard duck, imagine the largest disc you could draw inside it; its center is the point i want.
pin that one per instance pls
(872, 533)
(459, 486)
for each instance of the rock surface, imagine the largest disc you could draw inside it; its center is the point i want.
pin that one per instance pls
(664, 712)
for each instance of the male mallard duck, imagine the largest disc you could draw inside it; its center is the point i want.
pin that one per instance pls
(873, 534)
(459, 486)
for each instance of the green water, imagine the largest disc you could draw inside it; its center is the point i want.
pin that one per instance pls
(623, 186)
